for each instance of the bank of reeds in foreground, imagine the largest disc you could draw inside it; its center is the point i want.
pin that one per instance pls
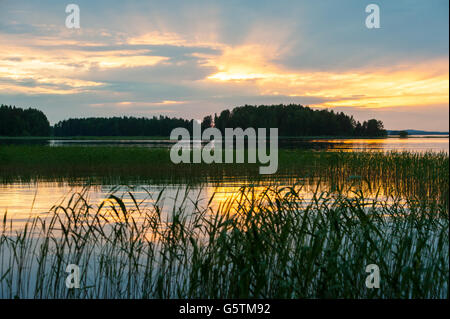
(273, 244)
(405, 173)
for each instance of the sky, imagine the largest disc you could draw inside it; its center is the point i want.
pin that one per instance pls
(195, 58)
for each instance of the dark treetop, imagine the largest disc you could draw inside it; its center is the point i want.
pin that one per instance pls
(291, 120)
(297, 120)
(19, 122)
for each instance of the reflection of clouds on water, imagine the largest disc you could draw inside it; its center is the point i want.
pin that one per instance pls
(24, 200)
(412, 144)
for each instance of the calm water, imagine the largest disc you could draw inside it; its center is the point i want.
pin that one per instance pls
(415, 143)
(22, 200)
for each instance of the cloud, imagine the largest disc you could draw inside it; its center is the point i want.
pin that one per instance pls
(192, 58)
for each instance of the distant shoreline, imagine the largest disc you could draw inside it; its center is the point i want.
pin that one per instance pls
(166, 138)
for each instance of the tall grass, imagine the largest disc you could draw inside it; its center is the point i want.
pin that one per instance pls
(269, 244)
(412, 174)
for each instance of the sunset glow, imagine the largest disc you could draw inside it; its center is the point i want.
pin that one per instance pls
(149, 64)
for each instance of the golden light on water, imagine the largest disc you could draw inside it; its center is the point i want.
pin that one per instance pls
(22, 201)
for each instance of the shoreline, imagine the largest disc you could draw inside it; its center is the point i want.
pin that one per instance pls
(167, 139)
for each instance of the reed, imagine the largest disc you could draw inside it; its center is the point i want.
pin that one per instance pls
(407, 173)
(257, 244)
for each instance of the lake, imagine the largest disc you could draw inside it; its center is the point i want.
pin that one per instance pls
(22, 200)
(25, 200)
(419, 143)
(173, 237)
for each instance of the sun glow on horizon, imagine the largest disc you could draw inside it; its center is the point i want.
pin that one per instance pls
(409, 85)
(203, 67)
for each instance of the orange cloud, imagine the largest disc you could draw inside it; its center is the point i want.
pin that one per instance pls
(54, 69)
(409, 84)
(136, 104)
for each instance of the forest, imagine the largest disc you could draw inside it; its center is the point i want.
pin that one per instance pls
(15, 121)
(120, 126)
(297, 120)
(291, 120)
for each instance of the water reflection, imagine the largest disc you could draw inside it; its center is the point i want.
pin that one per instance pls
(415, 143)
(23, 201)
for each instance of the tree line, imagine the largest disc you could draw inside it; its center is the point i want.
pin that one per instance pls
(120, 126)
(291, 120)
(296, 120)
(15, 121)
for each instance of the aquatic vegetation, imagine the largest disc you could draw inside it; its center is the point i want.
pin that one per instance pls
(425, 175)
(269, 244)
(268, 241)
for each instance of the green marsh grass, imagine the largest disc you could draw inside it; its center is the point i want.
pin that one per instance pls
(389, 209)
(409, 174)
(268, 244)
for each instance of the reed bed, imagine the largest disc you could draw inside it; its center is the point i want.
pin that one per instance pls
(405, 173)
(269, 244)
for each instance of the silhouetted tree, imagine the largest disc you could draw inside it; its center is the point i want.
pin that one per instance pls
(207, 122)
(374, 128)
(23, 122)
(403, 134)
(291, 120)
(297, 120)
(120, 126)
